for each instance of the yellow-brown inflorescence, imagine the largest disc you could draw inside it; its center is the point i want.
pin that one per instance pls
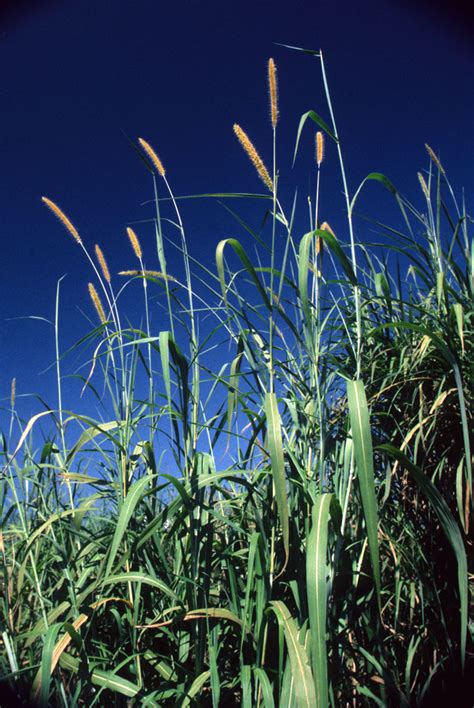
(137, 249)
(103, 263)
(319, 147)
(254, 156)
(149, 273)
(63, 218)
(13, 392)
(158, 165)
(97, 303)
(424, 186)
(273, 89)
(435, 158)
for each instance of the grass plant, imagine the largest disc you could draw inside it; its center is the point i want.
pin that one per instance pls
(325, 563)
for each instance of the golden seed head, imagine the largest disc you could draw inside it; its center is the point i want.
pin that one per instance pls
(63, 218)
(273, 89)
(97, 303)
(423, 185)
(137, 249)
(254, 156)
(103, 263)
(435, 158)
(149, 273)
(13, 392)
(319, 147)
(158, 165)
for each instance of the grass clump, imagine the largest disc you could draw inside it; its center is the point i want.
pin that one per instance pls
(325, 561)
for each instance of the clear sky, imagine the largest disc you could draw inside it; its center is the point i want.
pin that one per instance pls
(79, 74)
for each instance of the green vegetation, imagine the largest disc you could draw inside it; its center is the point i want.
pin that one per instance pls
(326, 562)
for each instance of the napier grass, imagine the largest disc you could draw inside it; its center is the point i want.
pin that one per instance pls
(326, 562)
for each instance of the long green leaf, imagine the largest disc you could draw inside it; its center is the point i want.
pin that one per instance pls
(275, 445)
(316, 119)
(43, 677)
(89, 434)
(164, 338)
(265, 686)
(336, 248)
(303, 685)
(240, 252)
(140, 578)
(364, 458)
(303, 266)
(195, 688)
(378, 177)
(133, 497)
(105, 679)
(316, 571)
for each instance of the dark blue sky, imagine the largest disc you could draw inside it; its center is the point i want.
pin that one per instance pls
(78, 74)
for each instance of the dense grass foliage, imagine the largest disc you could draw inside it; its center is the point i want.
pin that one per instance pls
(325, 563)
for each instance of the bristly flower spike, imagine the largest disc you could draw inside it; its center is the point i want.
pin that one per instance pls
(148, 273)
(254, 156)
(319, 148)
(424, 186)
(273, 90)
(103, 263)
(97, 303)
(137, 249)
(435, 158)
(63, 218)
(157, 164)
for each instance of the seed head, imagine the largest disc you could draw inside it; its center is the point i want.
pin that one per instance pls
(137, 249)
(319, 147)
(158, 165)
(424, 186)
(97, 303)
(103, 263)
(13, 392)
(63, 218)
(254, 156)
(273, 90)
(148, 273)
(435, 158)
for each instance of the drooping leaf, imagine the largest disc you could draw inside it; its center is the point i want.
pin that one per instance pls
(303, 684)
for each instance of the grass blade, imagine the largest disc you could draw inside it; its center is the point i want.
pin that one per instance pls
(316, 572)
(275, 445)
(303, 684)
(362, 440)
(133, 497)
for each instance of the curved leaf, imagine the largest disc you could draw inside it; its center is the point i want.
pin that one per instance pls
(133, 497)
(316, 119)
(240, 252)
(303, 685)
